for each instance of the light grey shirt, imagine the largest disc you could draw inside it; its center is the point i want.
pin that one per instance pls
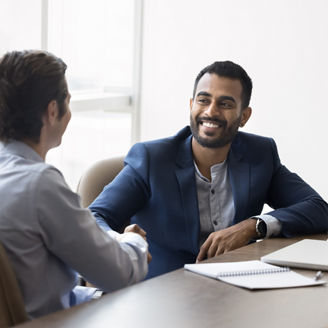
(216, 203)
(49, 237)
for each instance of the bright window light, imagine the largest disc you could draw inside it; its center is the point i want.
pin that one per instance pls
(99, 42)
(95, 38)
(90, 136)
(20, 25)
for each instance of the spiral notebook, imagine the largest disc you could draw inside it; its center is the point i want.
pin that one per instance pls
(253, 275)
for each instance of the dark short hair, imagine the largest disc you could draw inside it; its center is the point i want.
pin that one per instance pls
(232, 71)
(29, 81)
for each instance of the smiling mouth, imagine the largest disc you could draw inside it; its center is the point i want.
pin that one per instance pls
(210, 125)
(213, 124)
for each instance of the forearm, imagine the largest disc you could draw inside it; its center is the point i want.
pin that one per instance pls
(120, 200)
(137, 248)
(306, 217)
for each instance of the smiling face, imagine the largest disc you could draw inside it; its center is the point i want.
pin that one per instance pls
(216, 111)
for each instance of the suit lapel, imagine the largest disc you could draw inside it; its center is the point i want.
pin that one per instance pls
(239, 175)
(185, 173)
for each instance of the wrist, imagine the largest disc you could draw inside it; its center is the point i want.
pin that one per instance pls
(260, 228)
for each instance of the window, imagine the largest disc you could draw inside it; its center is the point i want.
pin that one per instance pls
(100, 42)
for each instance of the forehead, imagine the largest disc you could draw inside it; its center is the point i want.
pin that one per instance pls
(218, 86)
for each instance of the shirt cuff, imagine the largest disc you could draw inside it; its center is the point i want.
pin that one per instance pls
(134, 240)
(273, 224)
(137, 248)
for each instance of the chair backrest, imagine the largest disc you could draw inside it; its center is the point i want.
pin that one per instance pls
(12, 309)
(97, 177)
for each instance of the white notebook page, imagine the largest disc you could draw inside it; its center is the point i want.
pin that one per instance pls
(252, 275)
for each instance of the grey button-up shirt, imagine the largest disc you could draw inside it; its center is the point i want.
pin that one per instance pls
(216, 203)
(49, 237)
(215, 200)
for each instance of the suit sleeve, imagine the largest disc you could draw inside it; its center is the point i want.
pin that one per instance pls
(127, 193)
(297, 206)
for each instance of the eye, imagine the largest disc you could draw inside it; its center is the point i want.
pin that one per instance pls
(203, 100)
(226, 104)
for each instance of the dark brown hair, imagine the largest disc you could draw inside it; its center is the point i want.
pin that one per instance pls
(232, 71)
(29, 81)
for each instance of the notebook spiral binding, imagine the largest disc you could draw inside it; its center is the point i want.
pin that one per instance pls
(251, 272)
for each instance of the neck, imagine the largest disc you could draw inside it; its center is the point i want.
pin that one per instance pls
(205, 157)
(39, 148)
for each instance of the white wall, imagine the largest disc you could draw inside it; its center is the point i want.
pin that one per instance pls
(282, 44)
(20, 25)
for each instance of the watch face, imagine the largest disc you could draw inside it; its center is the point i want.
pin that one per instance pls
(261, 228)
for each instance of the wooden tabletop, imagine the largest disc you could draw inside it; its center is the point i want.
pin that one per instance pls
(184, 299)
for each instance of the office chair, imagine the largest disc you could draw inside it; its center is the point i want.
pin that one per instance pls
(93, 182)
(97, 177)
(12, 309)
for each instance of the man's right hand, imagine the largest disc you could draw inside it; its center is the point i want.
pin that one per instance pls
(136, 229)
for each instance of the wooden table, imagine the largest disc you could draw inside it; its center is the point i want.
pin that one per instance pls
(183, 299)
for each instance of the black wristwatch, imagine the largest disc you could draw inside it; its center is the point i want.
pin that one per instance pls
(261, 228)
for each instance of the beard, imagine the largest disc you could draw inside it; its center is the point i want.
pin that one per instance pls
(226, 137)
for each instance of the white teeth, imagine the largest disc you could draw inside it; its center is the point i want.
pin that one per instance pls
(210, 125)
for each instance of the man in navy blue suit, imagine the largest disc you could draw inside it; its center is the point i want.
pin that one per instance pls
(201, 192)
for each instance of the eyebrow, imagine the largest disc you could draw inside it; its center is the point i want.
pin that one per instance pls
(206, 94)
(203, 93)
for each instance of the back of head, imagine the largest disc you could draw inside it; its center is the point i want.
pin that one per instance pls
(230, 70)
(29, 81)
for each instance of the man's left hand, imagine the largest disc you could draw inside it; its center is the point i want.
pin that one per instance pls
(225, 240)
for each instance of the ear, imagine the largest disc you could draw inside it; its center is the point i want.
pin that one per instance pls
(245, 115)
(51, 114)
(191, 102)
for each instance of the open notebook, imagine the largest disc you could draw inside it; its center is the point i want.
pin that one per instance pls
(307, 253)
(253, 275)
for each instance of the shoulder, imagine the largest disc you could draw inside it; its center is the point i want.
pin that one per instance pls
(162, 148)
(53, 195)
(254, 147)
(250, 137)
(45, 173)
(45, 180)
(249, 140)
(33, 173)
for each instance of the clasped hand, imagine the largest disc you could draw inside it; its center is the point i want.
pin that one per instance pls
(136, 229)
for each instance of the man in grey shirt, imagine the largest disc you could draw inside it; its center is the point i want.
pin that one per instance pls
(47, 234)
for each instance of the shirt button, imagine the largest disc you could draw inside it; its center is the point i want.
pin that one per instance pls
(212, 191)
(215, 222)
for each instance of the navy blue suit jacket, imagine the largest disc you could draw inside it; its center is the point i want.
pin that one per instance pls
(157, 190)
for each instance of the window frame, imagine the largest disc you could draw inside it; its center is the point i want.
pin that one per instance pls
(127, 101)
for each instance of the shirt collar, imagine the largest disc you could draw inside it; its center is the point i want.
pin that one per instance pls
(21, 149)
(215, 170)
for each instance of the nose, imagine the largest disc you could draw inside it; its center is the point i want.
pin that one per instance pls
(212, 110)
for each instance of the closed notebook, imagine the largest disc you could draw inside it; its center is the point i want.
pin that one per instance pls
(253, 275)
(307, 253)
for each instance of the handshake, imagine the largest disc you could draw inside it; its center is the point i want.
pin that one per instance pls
(135, 229)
